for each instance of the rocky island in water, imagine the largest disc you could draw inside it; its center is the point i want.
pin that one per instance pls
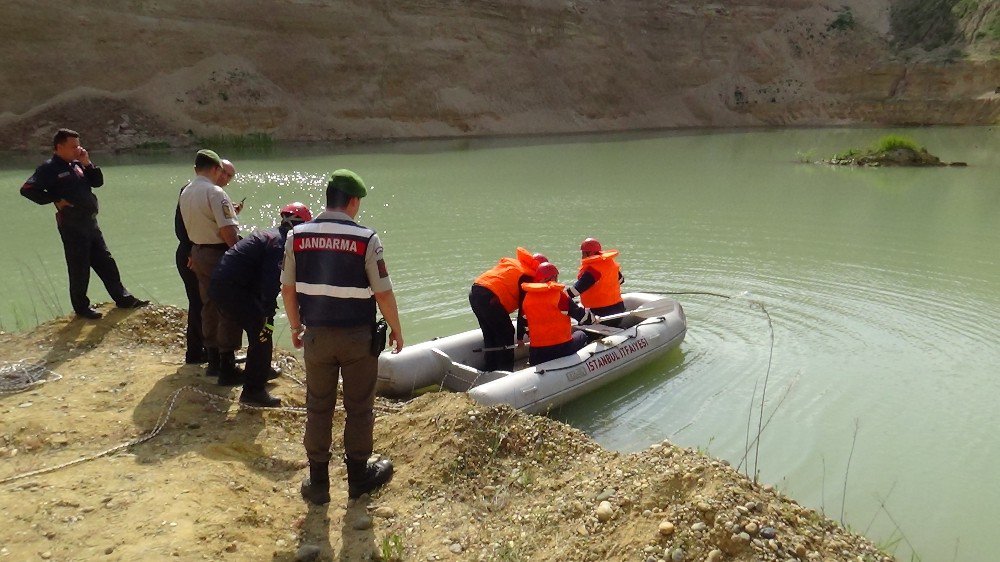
(891, 150)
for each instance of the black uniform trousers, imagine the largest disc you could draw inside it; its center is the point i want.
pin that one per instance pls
(239, 306)
(498, 331)
(538, 354)
(195, 344)
(83, 243)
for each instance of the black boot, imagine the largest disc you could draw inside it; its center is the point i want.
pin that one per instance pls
(212, 354)
(229, 373)
(363, 478)
(259, 397)
(316, 488)
(195, 356)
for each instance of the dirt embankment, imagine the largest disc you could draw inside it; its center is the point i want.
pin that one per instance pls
(219, 482)
(153, 73)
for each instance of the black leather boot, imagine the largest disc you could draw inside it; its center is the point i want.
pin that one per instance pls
(194, 356)
(316, 488)
(363, 478)
(212, 354)
(259, 397)
(229, 373)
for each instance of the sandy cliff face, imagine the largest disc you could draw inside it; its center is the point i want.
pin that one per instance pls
(126, 72)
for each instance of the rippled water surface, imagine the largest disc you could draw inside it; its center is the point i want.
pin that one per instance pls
(882, 287)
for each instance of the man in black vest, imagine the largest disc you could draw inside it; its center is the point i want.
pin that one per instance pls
(67, 181)
(333, 277)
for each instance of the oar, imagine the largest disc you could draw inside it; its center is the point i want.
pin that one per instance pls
(501, 348)
(648, 310)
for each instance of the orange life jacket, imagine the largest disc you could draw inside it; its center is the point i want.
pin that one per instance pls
(547, 324)
(607, 291)
(502, 280)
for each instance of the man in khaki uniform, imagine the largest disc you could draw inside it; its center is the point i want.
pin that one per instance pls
(195, 352)
(210, 220)
(333, 278)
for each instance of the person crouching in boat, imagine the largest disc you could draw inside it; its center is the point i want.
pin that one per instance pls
(494, 295)
(599, 281)
(548, 310)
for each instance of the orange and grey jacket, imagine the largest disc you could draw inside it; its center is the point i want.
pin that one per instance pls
(599, 281)
(505, 278)
(546, 308)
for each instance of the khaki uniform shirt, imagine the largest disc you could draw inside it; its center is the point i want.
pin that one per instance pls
(205, 208)
(378, 275)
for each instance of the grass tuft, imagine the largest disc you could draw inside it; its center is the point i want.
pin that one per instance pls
(253, 141)
(153, 145)
(892, 142)
(391, 548)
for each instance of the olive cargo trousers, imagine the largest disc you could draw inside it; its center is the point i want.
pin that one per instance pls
(330, 352)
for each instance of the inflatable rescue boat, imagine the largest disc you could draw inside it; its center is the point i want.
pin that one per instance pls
(651, 327)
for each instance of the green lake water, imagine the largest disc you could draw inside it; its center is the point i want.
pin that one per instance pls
(882, 285)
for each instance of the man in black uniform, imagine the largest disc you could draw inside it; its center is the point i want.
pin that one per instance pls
(66, 180)
(245, 287)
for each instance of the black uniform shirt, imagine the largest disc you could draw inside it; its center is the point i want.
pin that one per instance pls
(255, 264)
(57, 179)
(179, 230)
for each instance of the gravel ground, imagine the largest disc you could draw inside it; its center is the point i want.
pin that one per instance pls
(220, 482)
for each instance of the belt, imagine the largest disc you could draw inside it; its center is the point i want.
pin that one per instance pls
(214, 246)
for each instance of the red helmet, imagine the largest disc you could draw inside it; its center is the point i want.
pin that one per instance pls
(539, 257)
(546, 272)
(295, 213)
(590, 246)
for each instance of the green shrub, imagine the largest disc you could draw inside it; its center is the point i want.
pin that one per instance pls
(965, 7)
(993, 27)
(848, 154)
(927, 24)
(843, 22)
(892, 142)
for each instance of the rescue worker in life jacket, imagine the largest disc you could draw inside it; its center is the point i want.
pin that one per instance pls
(494, 295)
(548, 310)
(599, 281)
(245, 287)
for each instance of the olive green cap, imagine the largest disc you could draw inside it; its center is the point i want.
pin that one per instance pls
(211, 155)
(348, 182)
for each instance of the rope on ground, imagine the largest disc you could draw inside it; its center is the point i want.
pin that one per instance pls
(161, 422)
(20, 376)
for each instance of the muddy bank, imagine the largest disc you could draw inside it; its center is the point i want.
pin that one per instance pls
(220, 482)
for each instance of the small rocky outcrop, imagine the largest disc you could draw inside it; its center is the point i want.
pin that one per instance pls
(900, 156)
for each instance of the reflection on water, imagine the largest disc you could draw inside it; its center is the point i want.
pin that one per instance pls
(883, 286)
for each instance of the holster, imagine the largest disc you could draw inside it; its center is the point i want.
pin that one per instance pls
(379, 333)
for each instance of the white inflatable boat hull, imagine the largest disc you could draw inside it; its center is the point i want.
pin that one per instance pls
(454, 362)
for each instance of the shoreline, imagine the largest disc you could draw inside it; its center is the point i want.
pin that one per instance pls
(501, 140)
(472, 483)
